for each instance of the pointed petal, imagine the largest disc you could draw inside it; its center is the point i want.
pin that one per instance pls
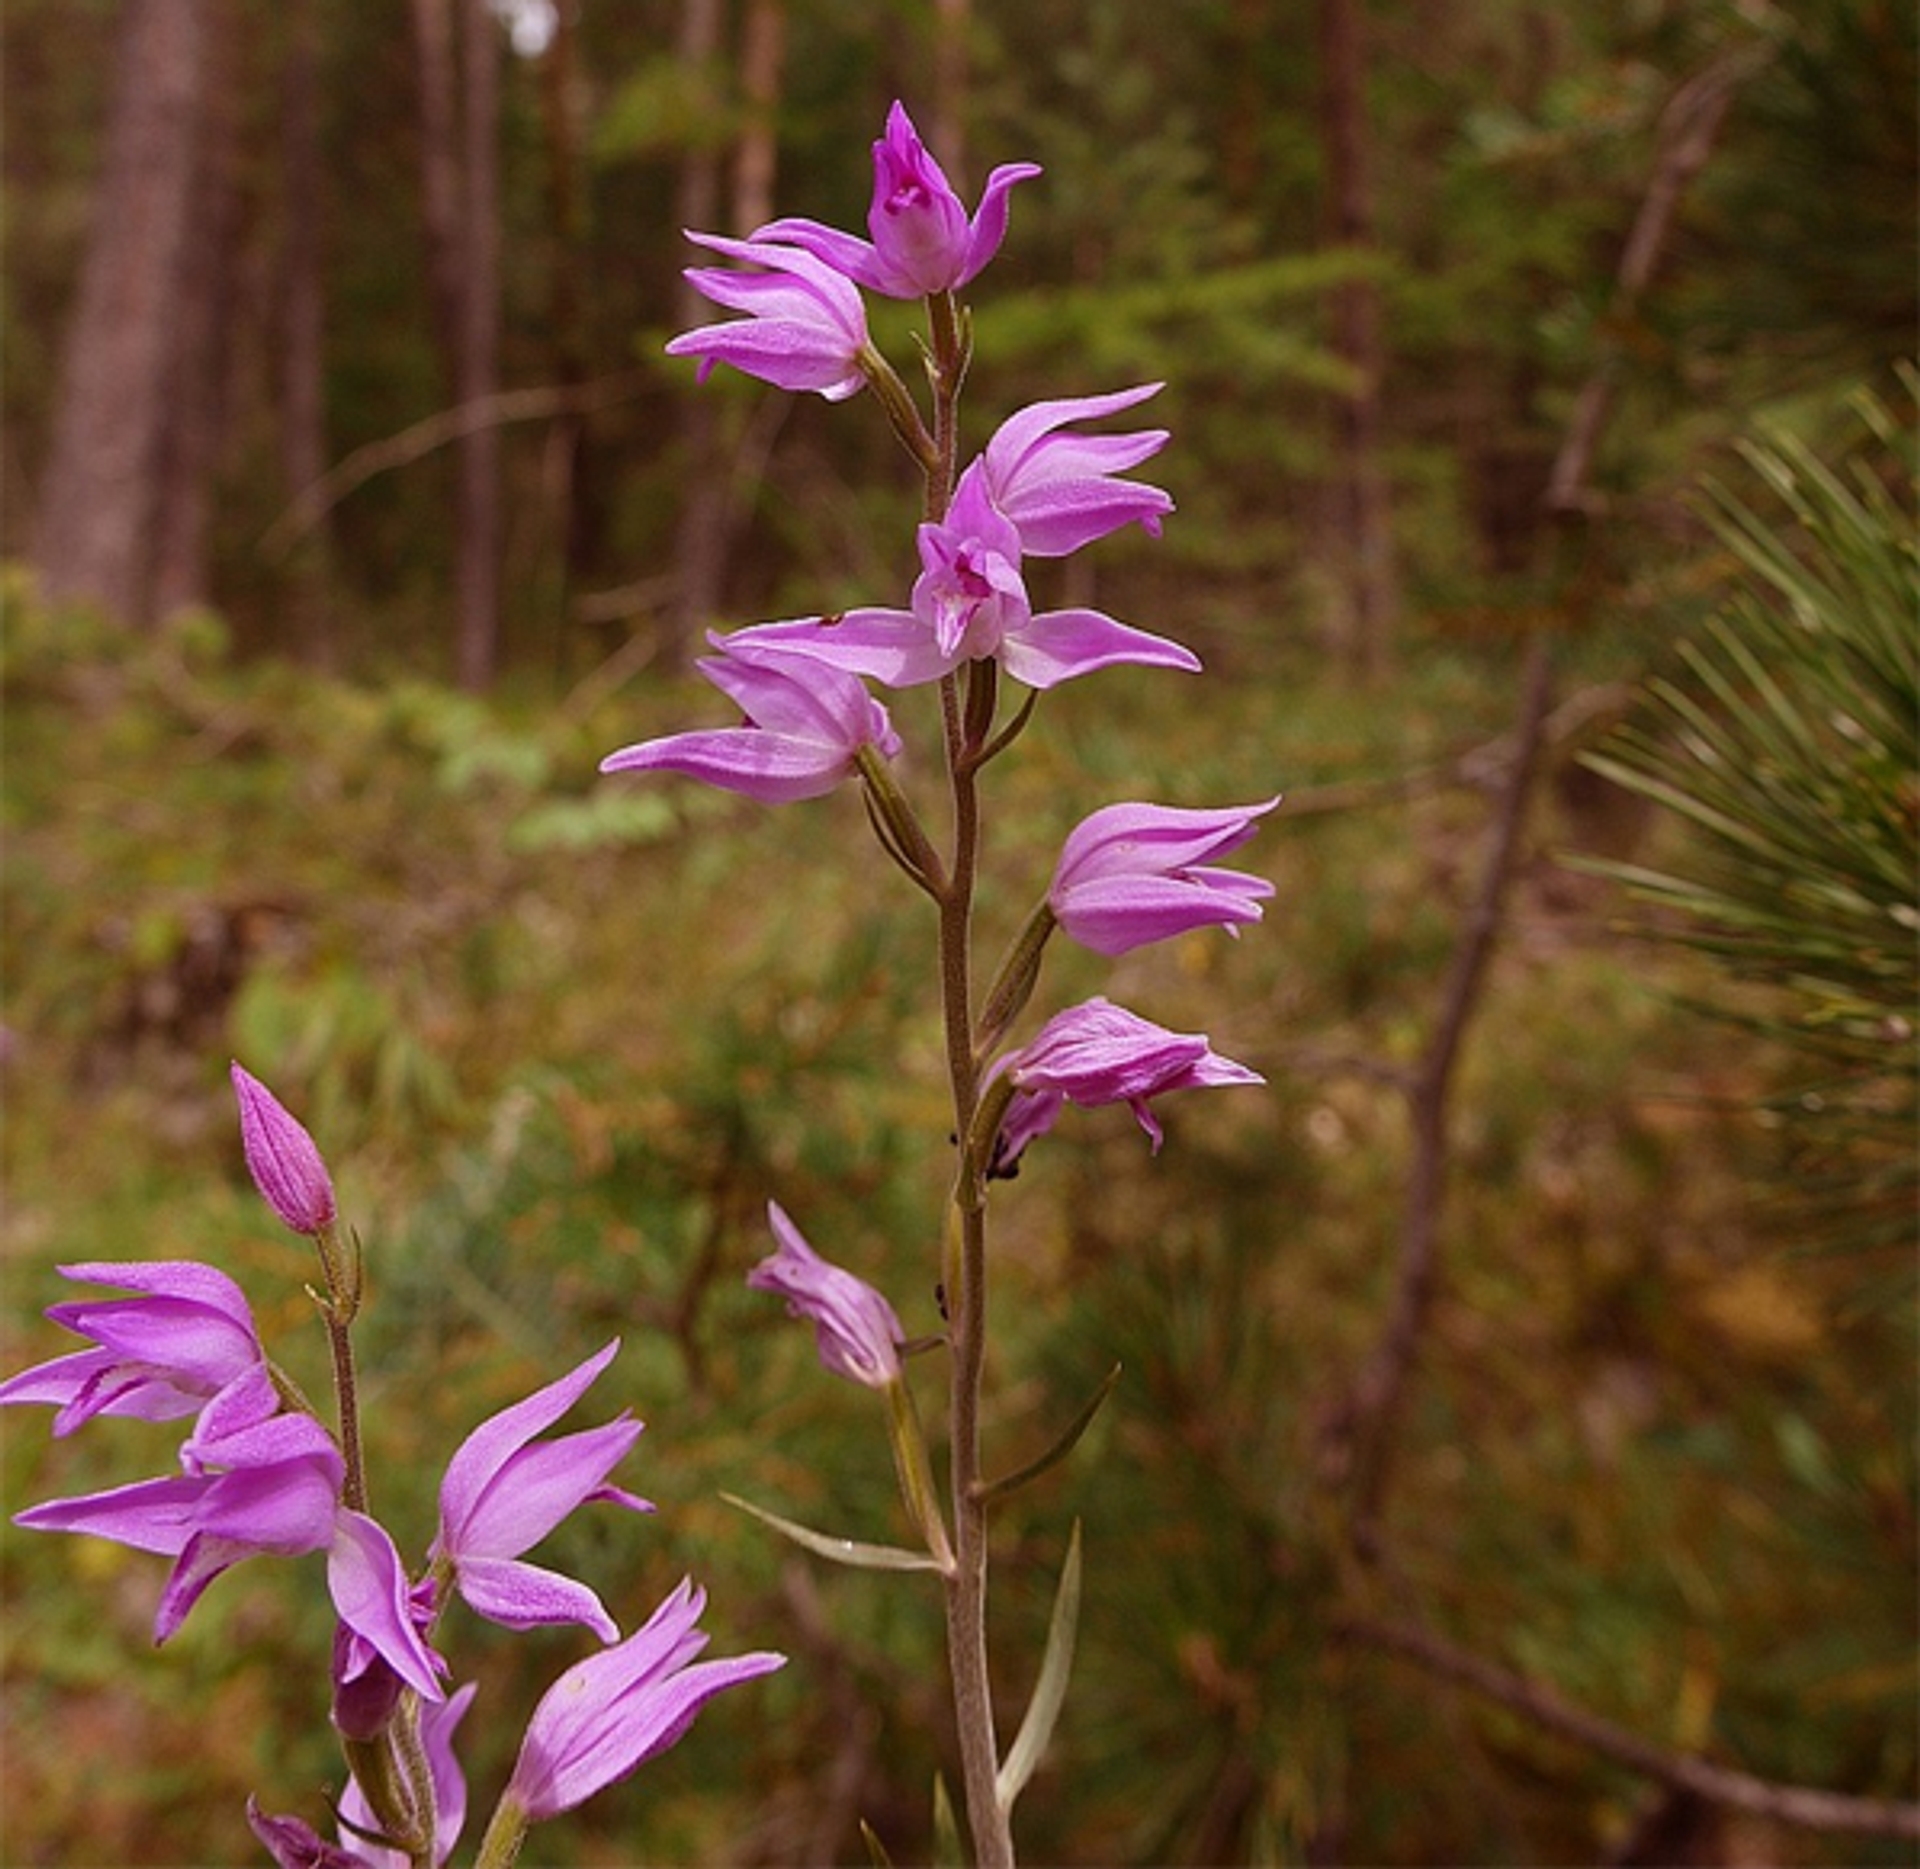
(537, 1487)
(1060, 644)
(491, 1445)
(368, 1585)
(990, 219)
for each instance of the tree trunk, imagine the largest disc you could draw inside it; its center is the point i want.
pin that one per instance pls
(433, 37)
(948, 133)
(194, 415)
(303, 413)
(477, 576)
(1359, 510)
(568, 353)
(100, 498)
(763, 46)
(700, 541)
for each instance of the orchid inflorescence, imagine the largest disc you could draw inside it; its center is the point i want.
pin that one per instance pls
(1130, 874)
(261, 1473)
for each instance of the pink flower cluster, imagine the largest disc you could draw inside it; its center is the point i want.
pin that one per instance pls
(259, 1475)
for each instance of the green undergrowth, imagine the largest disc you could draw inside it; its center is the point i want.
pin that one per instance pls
(561, 1039)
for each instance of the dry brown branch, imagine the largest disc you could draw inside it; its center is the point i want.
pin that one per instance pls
(1688, 126)
(421, 438)
(1541, 1706)
(1357, 1436)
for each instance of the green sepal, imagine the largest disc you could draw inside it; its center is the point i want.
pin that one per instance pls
(1050, 1691)
(840, 1550)
(998, 1489)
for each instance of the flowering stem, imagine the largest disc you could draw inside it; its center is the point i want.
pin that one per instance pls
(966, 725)
(342, 1300)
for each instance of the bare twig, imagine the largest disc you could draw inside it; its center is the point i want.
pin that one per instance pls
(1688, 127)
(437, 431)
(1358, 1435)
(1541, 1706)
(1358, 1438)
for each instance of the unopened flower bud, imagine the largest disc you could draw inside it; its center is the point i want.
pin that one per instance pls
(281, 1156)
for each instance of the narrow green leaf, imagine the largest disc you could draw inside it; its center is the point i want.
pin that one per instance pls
(840, 1550)
(1050, 1691)
(947, 1853)
(996, 1489)
(876, 1850)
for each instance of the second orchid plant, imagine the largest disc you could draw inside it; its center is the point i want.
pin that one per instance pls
(1130, 874)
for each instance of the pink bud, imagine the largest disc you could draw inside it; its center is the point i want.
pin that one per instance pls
(281, 1156)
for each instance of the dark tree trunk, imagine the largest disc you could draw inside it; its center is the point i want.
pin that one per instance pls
(477, 577)
(947, 135)
(763, 46)
(567, 345)
(700, 541)
(1360, 533)
(457, 43)
(302, 372)
(194, 415)
(440, 188)
(96, 536)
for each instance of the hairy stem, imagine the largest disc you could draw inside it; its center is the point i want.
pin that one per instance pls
(966, 721)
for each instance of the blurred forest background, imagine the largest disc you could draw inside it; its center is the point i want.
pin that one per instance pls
(1513, 1455)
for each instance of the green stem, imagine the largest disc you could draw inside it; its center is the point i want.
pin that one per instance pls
(342, 1275)
(966, 726)
(506, 1831)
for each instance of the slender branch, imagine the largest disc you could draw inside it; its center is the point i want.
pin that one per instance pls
(438, 430)
(1358, 1439)
(1688, 126)
(1790, 1804)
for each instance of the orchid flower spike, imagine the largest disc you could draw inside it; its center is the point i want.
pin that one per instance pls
(806, 726)
(806, 327)
(858, 1333)
(923, 241)
(1132, 874)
